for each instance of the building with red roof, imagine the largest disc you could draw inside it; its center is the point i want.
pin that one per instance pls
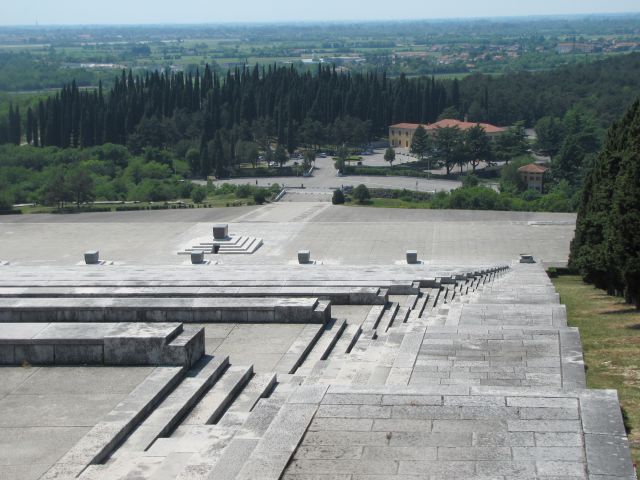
(401, 134)
(533, 175)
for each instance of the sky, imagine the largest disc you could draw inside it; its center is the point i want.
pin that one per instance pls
(91, 12)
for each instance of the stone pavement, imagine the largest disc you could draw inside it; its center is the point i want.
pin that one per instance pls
(463, 372)
(336, 235)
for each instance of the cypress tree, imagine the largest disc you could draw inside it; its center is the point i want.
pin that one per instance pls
(606, 247)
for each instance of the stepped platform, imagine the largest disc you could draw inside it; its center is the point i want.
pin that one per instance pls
(145, 309)
(460, 373)
(100, 344)
(397, 279)
(338, 295)
(232, 245)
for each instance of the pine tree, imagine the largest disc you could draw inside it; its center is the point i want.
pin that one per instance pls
(420, 142)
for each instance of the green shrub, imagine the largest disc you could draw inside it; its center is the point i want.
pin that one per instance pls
(259, 196)
(6, 202)
(361, 193)
(244, 191)
(198, 194)
(338, 197)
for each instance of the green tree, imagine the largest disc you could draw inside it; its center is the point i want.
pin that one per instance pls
(259, 196)
(361, 193)
(6, 202)
(80, 185)
(198, 194)
(420, 142)
(342, 156)
(309, 159)
(55, 190)
(280, 156)
(606, 246)
(511, 144)
(550, 133)
(567, 165)
(247, 152)
(478, 146)
(447, 145)
(390, 155)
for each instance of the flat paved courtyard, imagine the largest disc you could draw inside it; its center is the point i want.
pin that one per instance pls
(335, 235)
(44, 411)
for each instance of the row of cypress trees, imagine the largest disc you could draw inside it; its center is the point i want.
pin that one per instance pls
(606, 247)
(83, 118)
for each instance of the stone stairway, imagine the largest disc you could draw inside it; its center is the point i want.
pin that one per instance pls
(234, 245)
(478, 375)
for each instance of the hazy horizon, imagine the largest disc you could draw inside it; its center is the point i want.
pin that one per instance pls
(164, 12)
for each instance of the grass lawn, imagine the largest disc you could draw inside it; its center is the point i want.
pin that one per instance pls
(610, 332)
(213, 201)
(390, 203)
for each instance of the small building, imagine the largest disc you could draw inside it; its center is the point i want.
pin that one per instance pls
(401, 134)
(533, 176)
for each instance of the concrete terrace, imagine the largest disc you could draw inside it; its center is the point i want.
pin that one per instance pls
(358, 367)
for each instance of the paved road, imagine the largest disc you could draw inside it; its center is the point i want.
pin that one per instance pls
(325, 178)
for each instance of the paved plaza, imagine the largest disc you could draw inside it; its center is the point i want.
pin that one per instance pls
(334, 234)
(355, 366)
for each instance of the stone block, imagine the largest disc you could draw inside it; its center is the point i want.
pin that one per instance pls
(526, 258)
(304, 256)
(412, 257)
(220, 231)
(92, 257)
(197, 258)
(34, 354)
(7, 356)
(74, 354)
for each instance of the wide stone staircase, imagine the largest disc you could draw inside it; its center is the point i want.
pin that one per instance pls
(453, 373)
(224, 421)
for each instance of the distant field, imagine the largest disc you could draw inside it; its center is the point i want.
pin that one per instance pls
(450, 49)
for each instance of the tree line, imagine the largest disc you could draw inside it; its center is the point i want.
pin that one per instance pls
(606, 247)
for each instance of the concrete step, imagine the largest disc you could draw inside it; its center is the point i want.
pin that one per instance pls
(420, 304)
(259, 386)
(299, 349)
(99, 443)
(387, 317)
(143, 309)
(163, 420)
(218, 399)
(187, 348)
(269, 458)
(410, 301)
(373, 318)
(322, 311)
(323, 346)
(346, 341)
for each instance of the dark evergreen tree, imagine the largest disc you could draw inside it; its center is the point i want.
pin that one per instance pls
(606, 247)
(420, 142)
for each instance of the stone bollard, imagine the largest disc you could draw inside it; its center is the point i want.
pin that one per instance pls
(526, 258)
(197, 258)
(215, 248)
(92, 257)
(220, 231)
(412, 257)
(304, 256)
